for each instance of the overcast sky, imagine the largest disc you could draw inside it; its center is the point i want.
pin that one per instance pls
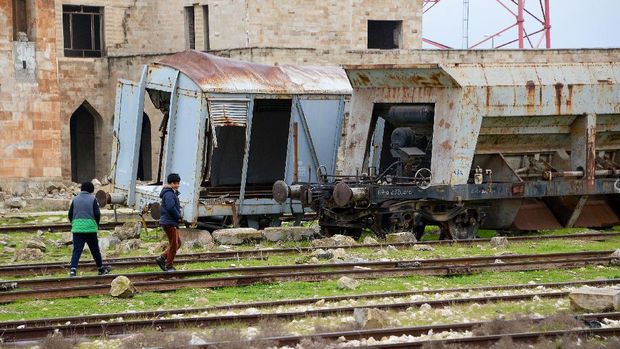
(574, 23)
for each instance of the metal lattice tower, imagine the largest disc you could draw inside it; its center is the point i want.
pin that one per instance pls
(535, 11)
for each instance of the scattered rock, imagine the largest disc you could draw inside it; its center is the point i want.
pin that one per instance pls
(499, 241)
(27, 254)
(371, 318)
(322, 254)
(275, 234)
(346, 283)
(129, 230)
(369, 240)
(158, 247)
(322, 243)
(40, 233)
(15, 202)
(35, 244)
(340, 253)
(236, 236)
(403, 237)
(9, 250)
(195, 238)
(391, 248)
(51, 204)
(96, 183)
(595, 299)
(7, 286)
(195, 340)
(104, 243)
(343, 240)
(615, 258)
(425, 307)
(66, 238)
(423, 248)
(52, 189)
(122, 287)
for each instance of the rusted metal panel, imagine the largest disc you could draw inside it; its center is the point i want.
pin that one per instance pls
(228, 113)
(218, 74)
(416, 76)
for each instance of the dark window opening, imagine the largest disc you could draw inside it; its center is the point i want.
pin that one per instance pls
(82, 129)
(190, 27)
(385, 35)
(227, 158)
(416, 117)
(82, 30)
(205, 18)
(20, 21)
(268, 143)
(144, 158)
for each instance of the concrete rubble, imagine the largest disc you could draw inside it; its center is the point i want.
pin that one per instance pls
(276, 234)
(236, 236)
(129, 230)
(595, 299)
(403, 237)
(198, 238)
(27, 254)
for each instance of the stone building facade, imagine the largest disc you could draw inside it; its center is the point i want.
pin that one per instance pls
(61, 60)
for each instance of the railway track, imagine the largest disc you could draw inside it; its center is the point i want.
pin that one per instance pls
(135, 262)
(462, 342)
(227, 277)
(122, 323)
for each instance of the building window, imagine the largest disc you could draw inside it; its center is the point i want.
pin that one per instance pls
(385, 35)
(82, 30)
(205, 18)
(190, 32)
(20, 20)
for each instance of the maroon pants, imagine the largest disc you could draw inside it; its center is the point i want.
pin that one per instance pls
(174, 243)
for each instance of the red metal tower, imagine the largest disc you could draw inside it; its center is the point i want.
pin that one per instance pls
(520, 11)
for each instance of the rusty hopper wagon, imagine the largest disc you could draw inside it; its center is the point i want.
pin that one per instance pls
(232, 129)
(466, 146)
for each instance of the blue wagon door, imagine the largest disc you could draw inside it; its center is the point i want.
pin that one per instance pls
(127, 133)
(316, 125)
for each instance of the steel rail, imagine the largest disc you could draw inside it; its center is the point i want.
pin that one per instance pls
(128, 326)
(256, 270)
(487, 341)
(57, 290)
(60, 227)
(422, 330)
(53, 267)
(290, 302)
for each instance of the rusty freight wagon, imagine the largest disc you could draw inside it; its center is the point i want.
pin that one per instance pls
(231, 129)
(464, 146)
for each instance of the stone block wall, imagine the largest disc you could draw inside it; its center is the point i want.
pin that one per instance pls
(29, 100)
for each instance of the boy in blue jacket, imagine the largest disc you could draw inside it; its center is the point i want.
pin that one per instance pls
(169, 221)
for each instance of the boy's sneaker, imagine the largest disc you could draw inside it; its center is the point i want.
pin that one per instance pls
(73, 272)
(104, 270)
(170, 270)
(161, 261)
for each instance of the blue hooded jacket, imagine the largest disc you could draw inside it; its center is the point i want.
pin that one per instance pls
(170, 207)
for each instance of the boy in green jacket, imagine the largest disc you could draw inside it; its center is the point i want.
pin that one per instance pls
(84, 216)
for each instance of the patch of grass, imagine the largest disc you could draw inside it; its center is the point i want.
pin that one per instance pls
(192, 297)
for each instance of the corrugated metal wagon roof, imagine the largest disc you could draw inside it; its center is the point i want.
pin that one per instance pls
(218, 74)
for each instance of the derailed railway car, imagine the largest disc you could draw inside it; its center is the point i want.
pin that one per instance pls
(230, 129)
(468, 146)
